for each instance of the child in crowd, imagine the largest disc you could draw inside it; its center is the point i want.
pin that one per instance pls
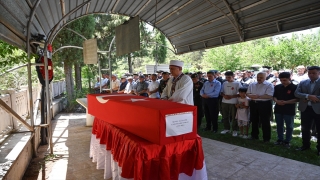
(243, 113)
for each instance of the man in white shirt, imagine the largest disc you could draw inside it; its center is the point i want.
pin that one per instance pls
(260, 93)
(179, 87)
(229, 92)
(115, 83)
(301, 75)
(130, 86)
(153, 87)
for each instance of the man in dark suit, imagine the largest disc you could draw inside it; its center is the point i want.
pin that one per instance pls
(197, 99)
(308, 92)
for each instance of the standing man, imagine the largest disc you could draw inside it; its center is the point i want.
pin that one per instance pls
(153, 87)
(267, 69)
(163, 82)
(260, 93)
(229, 92)
(308, 92)
(141, 87)
(210, 94)
(301, 75)
(180, 87)
(197, 99)
(246, 80)
(285, 108)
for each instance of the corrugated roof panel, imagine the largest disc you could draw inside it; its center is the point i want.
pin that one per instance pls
(200, 16)
(104, 6)
(7, 19)
(133, 7)
(92, 6)
(24, 7)
(14, 11)
(8, 36)
(190, 10)
(54, 12)
(194, 23)
(98, 5)
(123, 6)
(43, 19)
(164, 8)
(73, 4)
(150, 7)
(79, 12)
(206, 33)
(140, 6)
(189, 24)
(204, 30)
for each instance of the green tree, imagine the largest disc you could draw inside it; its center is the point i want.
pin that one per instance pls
(160, 50)
(224, 58)
(69, 57)
(11, 55)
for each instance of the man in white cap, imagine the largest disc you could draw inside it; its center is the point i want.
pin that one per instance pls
(179, 87)
(130, 86)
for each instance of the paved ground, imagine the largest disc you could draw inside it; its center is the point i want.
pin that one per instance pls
(224, 161)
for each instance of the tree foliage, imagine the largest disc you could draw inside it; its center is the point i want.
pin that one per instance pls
(160, 51)
(11, 55)
(278, 52)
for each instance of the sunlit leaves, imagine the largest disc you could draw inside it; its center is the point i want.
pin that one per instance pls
(11, 55)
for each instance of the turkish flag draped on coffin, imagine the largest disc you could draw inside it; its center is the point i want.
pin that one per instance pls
(158, 121)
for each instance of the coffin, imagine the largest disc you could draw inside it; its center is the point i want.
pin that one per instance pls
(158, 121)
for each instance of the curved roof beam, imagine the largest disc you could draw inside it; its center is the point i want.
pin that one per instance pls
(50, 38)
(236, 23)
(225, 15)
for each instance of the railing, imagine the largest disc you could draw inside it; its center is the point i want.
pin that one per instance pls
(57, 88)
(18, 101)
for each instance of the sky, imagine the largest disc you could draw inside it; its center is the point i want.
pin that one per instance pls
(307, 31)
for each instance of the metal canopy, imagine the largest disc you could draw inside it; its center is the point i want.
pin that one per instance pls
(189, 25)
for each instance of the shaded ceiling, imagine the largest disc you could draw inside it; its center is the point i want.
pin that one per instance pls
(189, 25)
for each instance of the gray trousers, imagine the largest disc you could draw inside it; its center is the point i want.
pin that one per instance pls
(228, 116)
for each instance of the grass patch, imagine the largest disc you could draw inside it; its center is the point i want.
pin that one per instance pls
(308, 156)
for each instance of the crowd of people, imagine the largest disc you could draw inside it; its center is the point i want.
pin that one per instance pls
(246, 99)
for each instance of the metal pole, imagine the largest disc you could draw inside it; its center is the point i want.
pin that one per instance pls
(18, 67)
(77, 33)
(34, 152)
(110, 68)
(100, 76)
(76, 47)
(50, 39)
(48, 120)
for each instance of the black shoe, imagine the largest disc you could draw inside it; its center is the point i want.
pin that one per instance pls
(286, 144)
(278, 142)
(266, 141)
(206, 129)
(253, 138)
(214, 131)
(302, 148)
